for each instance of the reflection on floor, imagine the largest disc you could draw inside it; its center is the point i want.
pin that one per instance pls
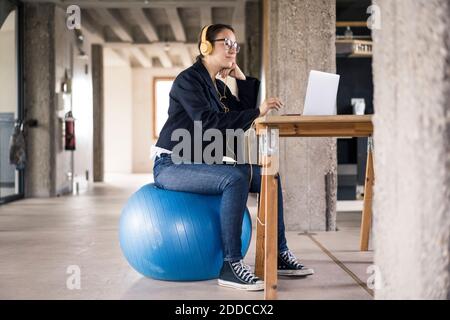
(41, 238)
(7, 191)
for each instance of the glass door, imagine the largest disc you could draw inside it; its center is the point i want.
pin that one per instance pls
(11, 184)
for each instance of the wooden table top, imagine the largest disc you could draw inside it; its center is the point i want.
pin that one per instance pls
(318, 126)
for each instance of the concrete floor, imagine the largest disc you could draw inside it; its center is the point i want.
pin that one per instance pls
(41, 238)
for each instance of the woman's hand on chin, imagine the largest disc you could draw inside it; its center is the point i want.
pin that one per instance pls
(234, 72)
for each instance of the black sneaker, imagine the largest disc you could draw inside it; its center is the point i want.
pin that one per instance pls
(239, 276)
(288, 265)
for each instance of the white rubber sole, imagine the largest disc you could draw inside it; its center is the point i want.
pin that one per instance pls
(247, 287)
(302, 272)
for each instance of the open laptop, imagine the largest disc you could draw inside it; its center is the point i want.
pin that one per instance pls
(321, 94)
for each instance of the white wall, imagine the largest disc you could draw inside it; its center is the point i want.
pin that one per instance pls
(117, 115)
(82, 106)
(8, 73)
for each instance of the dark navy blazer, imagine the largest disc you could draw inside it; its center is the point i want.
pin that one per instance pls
(193, 97)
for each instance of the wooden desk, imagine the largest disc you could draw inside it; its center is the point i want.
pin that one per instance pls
(269, 129)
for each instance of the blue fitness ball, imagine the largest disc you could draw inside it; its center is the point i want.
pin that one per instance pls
(170, 235)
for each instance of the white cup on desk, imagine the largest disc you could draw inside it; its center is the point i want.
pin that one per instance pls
(359, 106)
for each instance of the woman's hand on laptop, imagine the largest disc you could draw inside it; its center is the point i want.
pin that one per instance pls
(270, 104)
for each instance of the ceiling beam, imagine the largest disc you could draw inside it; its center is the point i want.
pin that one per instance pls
(107, 17)
(205, 16)
(145, 45)
(175, 24)
(91, 29)
(193, 50)
(146, 26)
(187, 52)
(238, 21)
(164, 58)
(139, 3)
(143, 60)
(157, 50)
(183, 51)
(121, 54)
(93, 34)
(93, 38)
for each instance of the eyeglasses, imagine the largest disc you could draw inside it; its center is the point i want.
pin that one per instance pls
(229, 44)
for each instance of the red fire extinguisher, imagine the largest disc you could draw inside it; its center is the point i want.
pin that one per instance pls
(69, 121)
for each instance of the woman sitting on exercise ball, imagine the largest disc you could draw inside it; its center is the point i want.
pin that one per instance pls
(197, 96)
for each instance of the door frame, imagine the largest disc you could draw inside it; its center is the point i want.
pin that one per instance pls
(20, 92)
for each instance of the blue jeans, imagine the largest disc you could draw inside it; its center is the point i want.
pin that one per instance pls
(232, 182)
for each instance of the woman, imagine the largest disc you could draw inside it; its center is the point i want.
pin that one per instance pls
(196, 95)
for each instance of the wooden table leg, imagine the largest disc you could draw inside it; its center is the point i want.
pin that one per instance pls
(267, 223)
(366, 221)
(261, 230)
(271, 235)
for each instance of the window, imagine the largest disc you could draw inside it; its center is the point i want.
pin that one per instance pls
(161, 89)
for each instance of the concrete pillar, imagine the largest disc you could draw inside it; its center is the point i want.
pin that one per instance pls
(97, 86)
(411, 207)
(302, 38)
(253, 31)
(40, 99)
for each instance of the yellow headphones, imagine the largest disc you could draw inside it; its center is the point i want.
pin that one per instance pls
(206, 47)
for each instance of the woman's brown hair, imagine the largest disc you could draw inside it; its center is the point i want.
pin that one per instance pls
(211, 35)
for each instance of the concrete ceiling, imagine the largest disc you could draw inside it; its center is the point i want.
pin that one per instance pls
(154, 32)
